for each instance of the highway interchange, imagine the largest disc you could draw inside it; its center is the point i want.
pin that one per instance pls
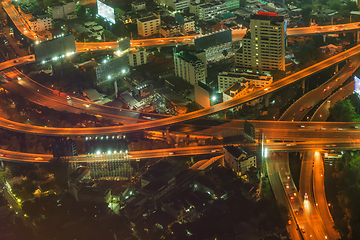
(315, 219)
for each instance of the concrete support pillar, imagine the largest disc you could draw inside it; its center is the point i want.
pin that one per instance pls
(336, 67)
(267, 99)
(357, 37)
(224, 114)
(324, 36)
(303, 86)
(158, 48)
(167, 135)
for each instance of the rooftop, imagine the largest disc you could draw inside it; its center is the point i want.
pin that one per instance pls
(235, 151)
(147, 19)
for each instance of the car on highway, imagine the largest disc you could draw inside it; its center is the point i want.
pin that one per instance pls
(39, 159)
(172, 40)
(290, 144)
(186, 39)
(19, 78)
(302, 230)
(160, 41)
(87, 105)
(31, 57)
(171, 153)
(337, 79)
(356, 127)
(309, 106)
(324, 90)
(15, 61)
(68, 97)
(306, 197)
(4, 155)
(301, 109)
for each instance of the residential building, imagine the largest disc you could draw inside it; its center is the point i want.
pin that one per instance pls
(208, 10)
(263, 48)
(170, 30)
(232, 4)
(39, 23)
(226, 79)
(138, 5)
(93, 194)
(187, 24)
(176, 5)
(148, 26)
(64, 11)
(190, 67)
(137, 57)
(239, 159)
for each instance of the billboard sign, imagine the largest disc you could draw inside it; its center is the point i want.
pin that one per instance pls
(357, 84)
(55, 49)
(106, 12)
(212, 40)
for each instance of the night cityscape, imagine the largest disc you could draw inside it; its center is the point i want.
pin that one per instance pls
(179, 120)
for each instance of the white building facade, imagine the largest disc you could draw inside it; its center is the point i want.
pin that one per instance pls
(208, 11)
(137, 57)
(189, 67)
(226, 79)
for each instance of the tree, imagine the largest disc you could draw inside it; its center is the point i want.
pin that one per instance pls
(5, 175)
(305, 13)
(343, 111)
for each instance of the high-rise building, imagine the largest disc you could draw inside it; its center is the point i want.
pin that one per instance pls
(190, 67)
(263, 48)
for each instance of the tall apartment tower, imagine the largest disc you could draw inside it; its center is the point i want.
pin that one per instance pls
(263, 48)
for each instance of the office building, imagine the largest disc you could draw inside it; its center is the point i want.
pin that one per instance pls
(207, 11)
(263, 48)
(148, 26)
(190, 67)
(226, 79)
(239, 159)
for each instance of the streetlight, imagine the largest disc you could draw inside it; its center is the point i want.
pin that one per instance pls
(213, 98)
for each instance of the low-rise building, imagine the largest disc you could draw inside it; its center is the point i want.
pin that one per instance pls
(176, 5)
(138, 5)
(93, 194)
(225, 17)
(40, 23)
(239, 159)
(232, 4)
(64, 11)
(148, 26)
(226, 79)
(208, 10)
(170, 30)
(137, 57)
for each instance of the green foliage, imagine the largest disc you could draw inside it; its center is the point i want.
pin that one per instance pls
(348, 177)
(60, 168)
(343, 111)
(109, 36)
(4, 175)
(335, 5)
(305, 13)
